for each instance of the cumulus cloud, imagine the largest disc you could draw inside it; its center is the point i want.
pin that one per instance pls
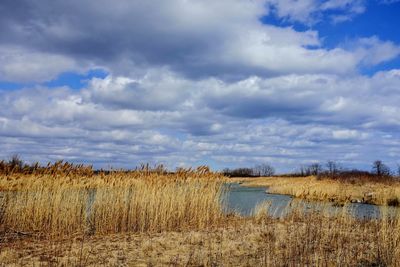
(20, 64)
(190, 37)
(373, 51)
(312, 11)
(286, 119)
(193, 82)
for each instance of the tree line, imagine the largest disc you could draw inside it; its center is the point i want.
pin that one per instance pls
(331, 169)
(256, 171)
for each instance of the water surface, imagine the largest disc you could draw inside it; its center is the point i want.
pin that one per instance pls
(243, 200)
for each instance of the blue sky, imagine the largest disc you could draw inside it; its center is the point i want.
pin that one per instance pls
(229, 83)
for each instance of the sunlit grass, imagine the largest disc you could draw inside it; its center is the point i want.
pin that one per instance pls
(329, 190)
(150, 217)
(117, 202)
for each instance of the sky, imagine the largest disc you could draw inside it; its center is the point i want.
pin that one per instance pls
(228, 83)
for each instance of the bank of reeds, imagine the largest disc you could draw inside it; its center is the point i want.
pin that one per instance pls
(359, 177)
(138, 201)
(151, 217)
(17, 166)
(302, 238)
(312, 188)
(306, 238)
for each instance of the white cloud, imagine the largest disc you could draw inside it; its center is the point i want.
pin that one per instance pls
(373, 51)
(189, 37)
(291, 118)
(348, 134)
(312, 11)
(352, 6)
(19, 64)
(295, 10)
(194, 82)
(157, 89)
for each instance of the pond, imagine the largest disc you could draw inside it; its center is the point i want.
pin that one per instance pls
(243, 200)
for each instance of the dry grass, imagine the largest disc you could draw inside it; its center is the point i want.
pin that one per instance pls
(119, 202)
(298, 240)
(328, 190)
(146, 218)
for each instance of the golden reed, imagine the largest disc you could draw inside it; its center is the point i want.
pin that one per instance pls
(137, 201)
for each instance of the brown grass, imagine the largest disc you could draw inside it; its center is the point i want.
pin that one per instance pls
(301, 239)
(146, 218)
(119, 202)
(329, 190)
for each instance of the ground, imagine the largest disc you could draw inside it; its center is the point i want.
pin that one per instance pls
(298, 241)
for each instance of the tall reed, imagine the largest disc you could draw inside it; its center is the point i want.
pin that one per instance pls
(137, 201)
(324, 239)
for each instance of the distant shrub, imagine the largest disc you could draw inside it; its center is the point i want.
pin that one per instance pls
(357, 176)
(394, 202)
(239, 172)
(257, 171)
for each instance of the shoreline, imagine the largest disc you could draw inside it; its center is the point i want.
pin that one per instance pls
(310, 188)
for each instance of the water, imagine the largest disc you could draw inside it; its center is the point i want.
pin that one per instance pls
(243, 200)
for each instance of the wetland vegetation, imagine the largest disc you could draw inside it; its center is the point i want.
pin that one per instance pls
(69, 215)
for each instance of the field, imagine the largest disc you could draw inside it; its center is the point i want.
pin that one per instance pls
(312, 188)
(65, 217)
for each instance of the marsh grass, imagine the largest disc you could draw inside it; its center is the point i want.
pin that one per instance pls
(118, 202)
(320, 239)
(299, 239)
(152, 218)
(312, 188)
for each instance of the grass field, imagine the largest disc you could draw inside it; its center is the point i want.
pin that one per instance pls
(337, 191)
(151, 218)
(138, 201)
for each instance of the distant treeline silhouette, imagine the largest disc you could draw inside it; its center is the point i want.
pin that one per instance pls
(379, 172)
(256, 171)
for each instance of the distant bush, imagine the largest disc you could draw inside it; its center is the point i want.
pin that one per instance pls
(257, 171)
(358, 176)
(379, 173)
(380, 169)
(239, 172)
(313, 169)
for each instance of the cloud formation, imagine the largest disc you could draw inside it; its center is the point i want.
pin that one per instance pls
(191, 37)
(312, 11)
(194, 82)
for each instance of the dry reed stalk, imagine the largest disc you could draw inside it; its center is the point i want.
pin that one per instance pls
(299, 239)
(330, 190)
(45, 210)
(139, 201)
(322, 239)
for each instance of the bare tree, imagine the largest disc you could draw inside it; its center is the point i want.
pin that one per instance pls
(315, 169)
(227, 171)
(303, 171)
(311, 169)
(263, 170)
(332, 167)
(380, 169)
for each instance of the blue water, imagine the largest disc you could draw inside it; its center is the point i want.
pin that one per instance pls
(243, 201)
